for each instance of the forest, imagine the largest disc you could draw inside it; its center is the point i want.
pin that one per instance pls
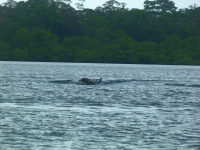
(54, 31)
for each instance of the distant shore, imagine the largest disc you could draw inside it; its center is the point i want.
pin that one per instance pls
(52, 31)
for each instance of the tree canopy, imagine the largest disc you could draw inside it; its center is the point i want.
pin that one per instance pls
(160, 6)
(52, 30)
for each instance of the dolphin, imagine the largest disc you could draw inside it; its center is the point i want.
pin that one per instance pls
(88, 81)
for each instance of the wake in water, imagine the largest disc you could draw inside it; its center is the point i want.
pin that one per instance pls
(118, 81)
(62, 82)
(104, 82)
(183, 85)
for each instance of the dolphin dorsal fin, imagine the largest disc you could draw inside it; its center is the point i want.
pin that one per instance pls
(100, 80)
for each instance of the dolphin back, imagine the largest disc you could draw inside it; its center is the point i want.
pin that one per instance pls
(100, 80)
(88, 81)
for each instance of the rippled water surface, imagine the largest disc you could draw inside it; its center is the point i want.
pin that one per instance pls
(136, 107)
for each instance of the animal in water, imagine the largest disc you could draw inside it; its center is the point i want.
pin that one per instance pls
(88, 81)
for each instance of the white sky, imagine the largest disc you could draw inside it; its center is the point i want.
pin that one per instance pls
(131, 3)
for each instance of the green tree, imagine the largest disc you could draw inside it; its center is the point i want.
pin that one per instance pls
(22, 39)
(113, 5)
(10, 3)
(160, 6)
(80, 5)
(52, 30)
(43, 44)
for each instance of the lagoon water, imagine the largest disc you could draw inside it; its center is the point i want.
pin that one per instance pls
(136, 107)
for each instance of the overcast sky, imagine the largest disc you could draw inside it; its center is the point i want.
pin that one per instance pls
(132, 3)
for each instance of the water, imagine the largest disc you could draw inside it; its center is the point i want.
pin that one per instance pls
(136, 107)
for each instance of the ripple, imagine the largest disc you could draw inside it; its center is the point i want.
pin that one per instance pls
(136, 107)
(184, 85)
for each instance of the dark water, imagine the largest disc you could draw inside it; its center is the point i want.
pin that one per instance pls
(136, 107)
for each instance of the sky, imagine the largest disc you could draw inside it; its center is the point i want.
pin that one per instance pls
(132, 3)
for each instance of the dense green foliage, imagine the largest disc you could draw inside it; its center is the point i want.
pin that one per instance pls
(52, 30)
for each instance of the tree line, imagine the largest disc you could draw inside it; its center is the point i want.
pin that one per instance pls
(54, 31)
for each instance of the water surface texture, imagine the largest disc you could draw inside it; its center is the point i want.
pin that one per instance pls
(136, 107)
